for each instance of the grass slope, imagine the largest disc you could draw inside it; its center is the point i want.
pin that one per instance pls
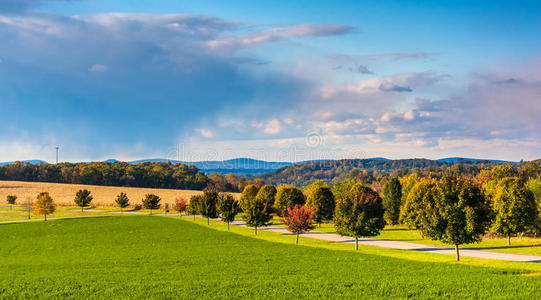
(144, 256)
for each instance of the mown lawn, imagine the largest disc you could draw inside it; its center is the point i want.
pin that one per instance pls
(158, 257)
(524, 245)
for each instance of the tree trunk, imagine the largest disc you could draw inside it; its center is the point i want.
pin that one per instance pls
(81, 208)
(297, 240)
(457, 253)
(121, 210)
(508, 240)
(255, 227)
(194, 217)
(227, 226)
(45, 217)
(151, 211)
(356, 243)
(208, 220)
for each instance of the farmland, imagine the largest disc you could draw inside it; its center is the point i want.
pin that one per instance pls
(143, 256)
(104, 196)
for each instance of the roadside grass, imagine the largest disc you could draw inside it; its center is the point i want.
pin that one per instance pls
(20, 213)
(163, 257)
(524, 245)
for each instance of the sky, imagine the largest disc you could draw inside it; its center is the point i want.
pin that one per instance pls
(272, 80)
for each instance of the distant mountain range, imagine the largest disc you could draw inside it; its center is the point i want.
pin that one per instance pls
(249, 166)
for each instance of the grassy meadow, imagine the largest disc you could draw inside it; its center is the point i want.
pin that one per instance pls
(104, 196)
(164, 257)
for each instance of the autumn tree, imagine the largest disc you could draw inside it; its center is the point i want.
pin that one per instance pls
(193, 206)
(460, 213)
(359, 213)
(44, 205)
(83, 198)
(151, 202)
(515, 208)
(322, 203)
(298, 220)
(180, 205)
(288, 197)
(207, 205)
(257, 213)
(392, 198)
(122, 201)
(10, 199)
(267, 194)
(228, 208)
(248, 194)
(259, 183)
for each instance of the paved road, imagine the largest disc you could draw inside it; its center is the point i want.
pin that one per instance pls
(331, 237)
(407, 246)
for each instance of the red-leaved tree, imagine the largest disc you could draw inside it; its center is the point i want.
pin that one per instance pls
(298, 219)
(180, 205)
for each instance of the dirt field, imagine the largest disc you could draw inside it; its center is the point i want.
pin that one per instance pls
(104, 196)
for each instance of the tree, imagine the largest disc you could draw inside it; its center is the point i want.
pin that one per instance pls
(207, 205)
(44, 205)
(321, 201)
(258, 182)
(298, 220)
(193, 206)
(359, 213)
(248, 194)
(514, 206)
(413, 212)
(151, 202)
(460, 213)
(82, 198)
(180, 206)
(228, 208)
(11, 200)
(257, 213)
(122, 201)
(341, 188)
(288, 197)
(392, 198)
(267, 194)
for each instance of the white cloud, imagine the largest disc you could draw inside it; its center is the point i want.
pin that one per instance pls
(206, 133)
(98, 68)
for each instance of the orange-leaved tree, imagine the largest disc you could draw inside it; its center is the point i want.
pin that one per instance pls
(180, 205)
(45, 205)
(298, 220)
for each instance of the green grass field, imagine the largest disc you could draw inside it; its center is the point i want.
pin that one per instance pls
(17, 213)
(164, 257)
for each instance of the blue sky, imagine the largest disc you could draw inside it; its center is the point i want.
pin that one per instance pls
(277, 81)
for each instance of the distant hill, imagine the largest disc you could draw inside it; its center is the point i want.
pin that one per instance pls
(301, 174)
(34, 162)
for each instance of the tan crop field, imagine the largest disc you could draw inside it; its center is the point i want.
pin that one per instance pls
(104, 196)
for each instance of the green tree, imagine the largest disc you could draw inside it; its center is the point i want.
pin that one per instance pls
(359, 213)
(460, 213)
(413, 212)
(228, 208)
(515, 208)
(10, 199)
(392, 198)
(248, 194)
(534, 185)
(321, 201)
(122, 201)
(257, 213)
(207, 205)
(341, 188)
(288, 197)
(44, 205)
(267, 194)
(83, 198)
(151, 202)
(193, 206)
(298, 220)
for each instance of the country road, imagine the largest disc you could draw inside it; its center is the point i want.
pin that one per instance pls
(331, 237)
